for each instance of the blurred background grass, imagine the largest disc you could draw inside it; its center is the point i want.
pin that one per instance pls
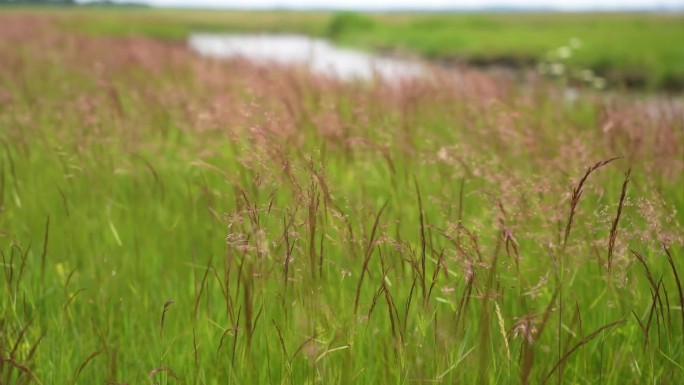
(641, 51)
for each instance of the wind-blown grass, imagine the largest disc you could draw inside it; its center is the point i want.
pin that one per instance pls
(173, 219)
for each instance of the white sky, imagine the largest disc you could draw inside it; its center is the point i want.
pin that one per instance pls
(425, 4)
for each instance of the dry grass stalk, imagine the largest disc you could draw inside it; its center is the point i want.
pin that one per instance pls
(314, 203)
(577, 194)
(531, 333)
(407, 307)
(166, 307)
(679, 284)
(614, 228)
(655, 288)
(43, 255)
(652, 310)
(203, 284)
(502, 330)
(20, 337)
(423, 257)
(22, 369)
(459, 316)
(83, 365)
(369, 252)
(161, 369)
(435, 275)
(584, 341)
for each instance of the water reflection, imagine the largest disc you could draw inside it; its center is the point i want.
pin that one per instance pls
(318, 55)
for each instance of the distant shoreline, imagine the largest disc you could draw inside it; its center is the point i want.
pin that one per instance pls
(369, 9)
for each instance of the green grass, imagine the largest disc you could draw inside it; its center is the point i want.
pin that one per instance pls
(635, 50)
(619, 46)
(314, 232)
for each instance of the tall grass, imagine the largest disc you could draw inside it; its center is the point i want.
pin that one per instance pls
(171, 219)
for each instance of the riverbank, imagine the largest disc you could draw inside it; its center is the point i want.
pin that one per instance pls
(641, 51)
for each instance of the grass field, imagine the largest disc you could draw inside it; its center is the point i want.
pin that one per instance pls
(642, 51)
(170, 219)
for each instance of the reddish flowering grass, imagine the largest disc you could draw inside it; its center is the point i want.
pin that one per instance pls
(310, 230)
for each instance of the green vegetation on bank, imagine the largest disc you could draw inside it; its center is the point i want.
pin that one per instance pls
(37, 2)
(634, 50)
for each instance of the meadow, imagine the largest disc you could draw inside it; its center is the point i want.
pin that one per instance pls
(172, 219)
(635, 51)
